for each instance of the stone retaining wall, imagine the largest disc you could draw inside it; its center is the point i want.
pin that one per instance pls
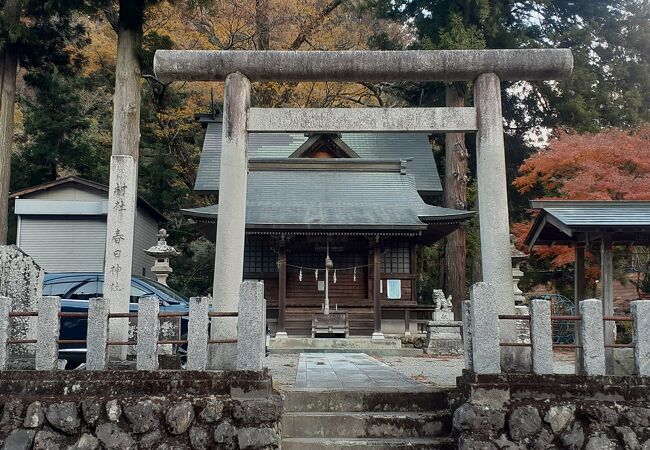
(518, 411)
(138, 410)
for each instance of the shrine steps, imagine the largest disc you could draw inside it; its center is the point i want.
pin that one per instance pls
(376, 347)
(342, 419)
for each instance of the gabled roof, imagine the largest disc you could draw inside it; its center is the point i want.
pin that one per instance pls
(377, 196)
(324, 141)
(395, 146)
(87, 183)
(564, 221)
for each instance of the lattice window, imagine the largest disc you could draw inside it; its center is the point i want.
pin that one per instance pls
(396, 258)
(259, 256)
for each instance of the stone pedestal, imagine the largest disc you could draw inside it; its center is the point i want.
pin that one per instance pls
(444, 338)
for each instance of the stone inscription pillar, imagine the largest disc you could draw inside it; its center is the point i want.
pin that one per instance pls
(231, 223)
(118, 260)
(493, 205)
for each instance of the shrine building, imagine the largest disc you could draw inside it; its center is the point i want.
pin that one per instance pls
(362, 204)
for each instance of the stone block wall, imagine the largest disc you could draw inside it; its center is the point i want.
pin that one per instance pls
(139, 410)
(519, 411)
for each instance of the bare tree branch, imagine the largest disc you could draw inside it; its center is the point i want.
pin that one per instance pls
(307, 29)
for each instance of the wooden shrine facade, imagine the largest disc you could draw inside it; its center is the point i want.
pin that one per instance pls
(293, 270)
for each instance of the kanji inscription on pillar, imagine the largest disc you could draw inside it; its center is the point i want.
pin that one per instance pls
(119, 244)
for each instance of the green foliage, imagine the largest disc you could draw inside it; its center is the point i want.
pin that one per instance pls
(194, 268)
(459, 35)
(46, 33)
(151, 42)
(60, 136)
(430, 274)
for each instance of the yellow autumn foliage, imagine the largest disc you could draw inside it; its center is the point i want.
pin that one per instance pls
(239, 25)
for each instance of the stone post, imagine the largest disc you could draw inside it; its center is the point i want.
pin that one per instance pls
(148, 330)
(21, 279)
(640, 310)
(47, 329)
(541, 336)
(485, 329)
(97, 335)
(119, 246)
(467, 335)
(591, 330)
(5, 308)
(231, 224)
(197, 334)
(251, 328)
(493, 206)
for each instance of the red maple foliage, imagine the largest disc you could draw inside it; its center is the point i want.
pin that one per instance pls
(611, 165)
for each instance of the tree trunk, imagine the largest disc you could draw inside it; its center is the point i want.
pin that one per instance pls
(8, 68)
(455, 196)
(262, 25)
(126, 103)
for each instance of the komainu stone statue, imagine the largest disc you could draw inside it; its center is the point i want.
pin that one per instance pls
(443, 333)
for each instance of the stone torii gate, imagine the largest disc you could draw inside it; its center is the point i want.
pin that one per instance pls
(238, 68)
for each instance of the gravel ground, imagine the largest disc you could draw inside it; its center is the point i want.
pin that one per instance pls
(433, 370)
(283, 367)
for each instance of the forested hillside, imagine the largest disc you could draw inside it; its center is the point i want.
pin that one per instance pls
(66, 59)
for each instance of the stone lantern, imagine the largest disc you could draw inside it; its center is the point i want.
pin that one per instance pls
(162, 252)
(517, 257)
(521, 309)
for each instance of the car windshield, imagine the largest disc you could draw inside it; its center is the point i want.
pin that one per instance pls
(172, 294)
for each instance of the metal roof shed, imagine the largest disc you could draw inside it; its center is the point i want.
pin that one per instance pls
(592, 223)
(570, 222)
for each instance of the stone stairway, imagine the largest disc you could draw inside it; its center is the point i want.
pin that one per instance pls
(367, 420)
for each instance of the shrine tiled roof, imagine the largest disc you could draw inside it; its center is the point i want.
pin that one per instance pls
(414, 147)
(370, 196)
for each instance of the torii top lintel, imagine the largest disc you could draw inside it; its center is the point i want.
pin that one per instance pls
(363, 65)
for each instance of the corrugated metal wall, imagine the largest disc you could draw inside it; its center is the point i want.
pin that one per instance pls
(76, 243)
(65, 244)
(145, 235)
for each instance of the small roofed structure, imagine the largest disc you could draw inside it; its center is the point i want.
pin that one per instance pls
(565, 222)
(596, 224)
